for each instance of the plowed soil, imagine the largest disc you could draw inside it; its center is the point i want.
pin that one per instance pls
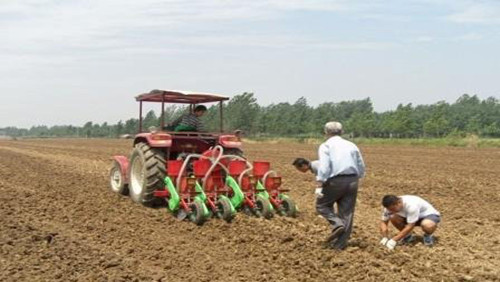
(59, 221)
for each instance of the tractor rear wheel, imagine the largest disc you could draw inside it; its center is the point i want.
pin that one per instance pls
(196, 214)
(263, 208)
(116, 181)
(288, 207)
(147, 174)
(224, 210)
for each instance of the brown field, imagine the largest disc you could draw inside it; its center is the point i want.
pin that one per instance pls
(60, 222)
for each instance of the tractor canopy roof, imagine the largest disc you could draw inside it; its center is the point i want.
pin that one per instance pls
(177, 96)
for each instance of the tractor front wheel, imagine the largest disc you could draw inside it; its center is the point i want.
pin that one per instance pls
(147, 174)
(116, 181)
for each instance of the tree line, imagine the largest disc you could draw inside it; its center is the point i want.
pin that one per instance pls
(467, 115)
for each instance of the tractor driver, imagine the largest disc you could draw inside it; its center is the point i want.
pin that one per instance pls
(191, 121)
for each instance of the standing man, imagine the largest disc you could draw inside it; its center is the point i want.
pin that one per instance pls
(340, 167)
(406, 212)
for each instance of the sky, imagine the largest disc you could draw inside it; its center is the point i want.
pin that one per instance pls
(73, 61)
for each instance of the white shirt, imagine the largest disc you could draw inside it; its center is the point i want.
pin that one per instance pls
(314, 166)
(338, 156)
(414, 208)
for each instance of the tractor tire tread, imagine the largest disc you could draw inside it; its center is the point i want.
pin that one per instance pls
(155, 165)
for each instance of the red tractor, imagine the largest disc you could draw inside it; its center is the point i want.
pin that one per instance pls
(197, 174)
(144, 173)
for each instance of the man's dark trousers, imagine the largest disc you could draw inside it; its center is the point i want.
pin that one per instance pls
(342, 190)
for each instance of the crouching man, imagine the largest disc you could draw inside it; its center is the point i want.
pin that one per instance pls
(406, 212)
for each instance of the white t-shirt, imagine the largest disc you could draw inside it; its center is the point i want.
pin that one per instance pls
(414, 208)
(314, 167)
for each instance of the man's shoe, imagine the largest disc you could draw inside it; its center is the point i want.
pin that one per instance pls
(428, 240)
(336, 232)
(410, 238)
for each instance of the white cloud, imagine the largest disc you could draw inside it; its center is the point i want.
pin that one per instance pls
(362, 45)
(54, 28)
(424, 39)
(477, 13)
(312, 5)
(89, 23)
(44, 26)
(82, 27)
(469, 37)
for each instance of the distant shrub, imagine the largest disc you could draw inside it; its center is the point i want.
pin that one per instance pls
(472, 141)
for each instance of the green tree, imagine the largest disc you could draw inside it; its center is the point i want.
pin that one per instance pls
(241, 112)
(361, 124)
(87, 129)
(437, 124)
(131, 126)
(301, 117)
(468, 114)
(150, 120)
(322, 114)
(491, 130)
(401, 121)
